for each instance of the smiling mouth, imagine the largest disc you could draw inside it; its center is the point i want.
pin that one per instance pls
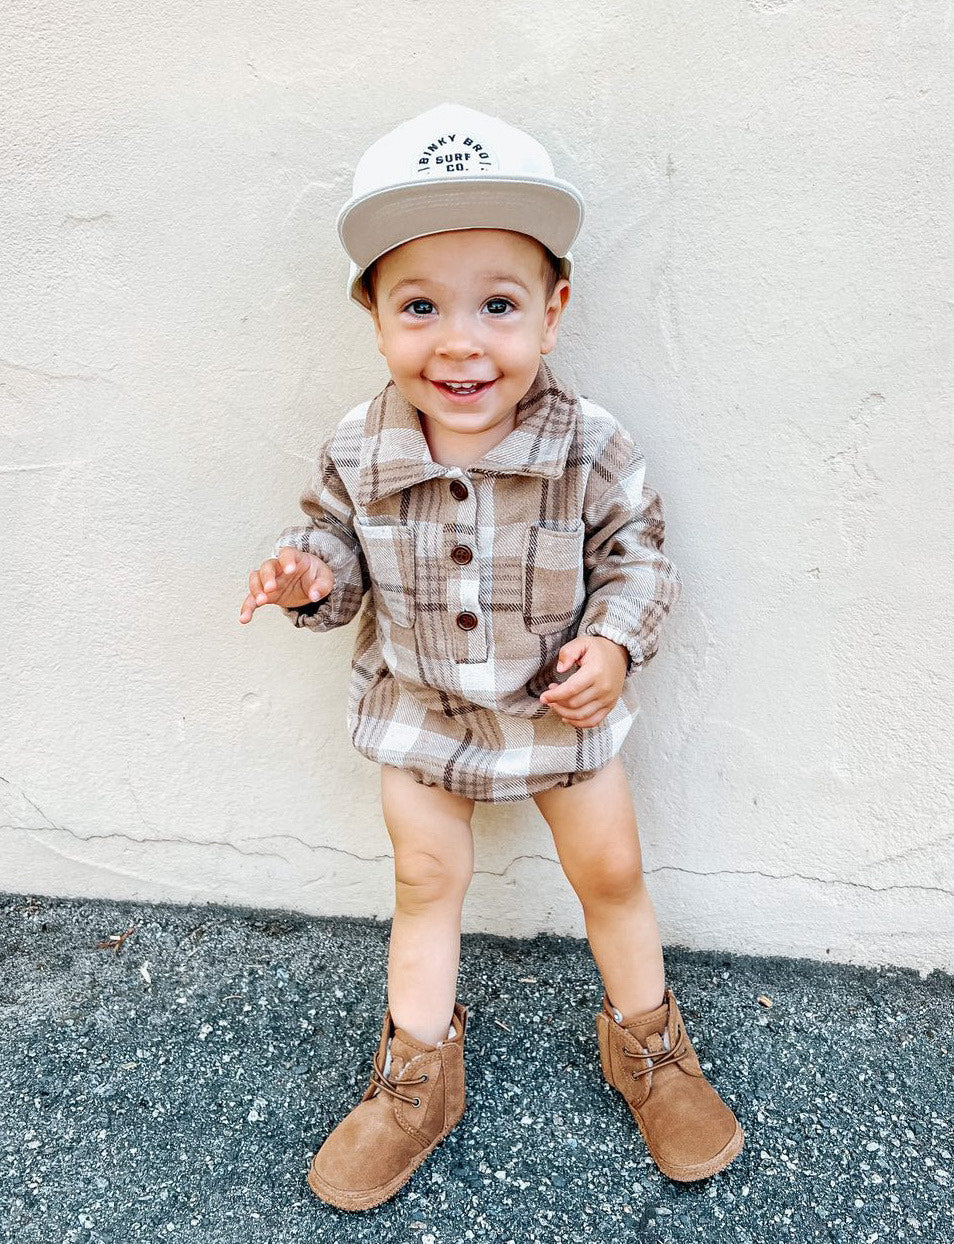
(463, 392)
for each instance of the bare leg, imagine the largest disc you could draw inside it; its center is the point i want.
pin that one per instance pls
(597, 839)
(433, 866)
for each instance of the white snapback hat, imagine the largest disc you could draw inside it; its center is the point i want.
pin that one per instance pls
(454, 168)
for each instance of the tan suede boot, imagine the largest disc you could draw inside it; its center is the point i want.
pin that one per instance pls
(690, 1131)
(402, 1117)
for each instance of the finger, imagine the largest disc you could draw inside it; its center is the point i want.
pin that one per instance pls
(588, 696)
(256, 589)
(314, 579)
(556, 693)
(248, 608)
(317, 580)
(593, 703)
(290, 561)
(561, 693)
(583, 703)
(295, 567)
(582, 721)
(269, 572)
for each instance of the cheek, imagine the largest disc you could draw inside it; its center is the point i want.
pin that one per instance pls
(407, 355)
(523, 356)
(517, 348)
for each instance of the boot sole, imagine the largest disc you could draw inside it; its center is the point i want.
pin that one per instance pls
(699, 1170)
(341, 1198)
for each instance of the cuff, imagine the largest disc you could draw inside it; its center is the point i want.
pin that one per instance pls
(626, 641)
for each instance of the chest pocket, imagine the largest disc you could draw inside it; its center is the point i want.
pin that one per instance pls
(553, 584)
(389, 551)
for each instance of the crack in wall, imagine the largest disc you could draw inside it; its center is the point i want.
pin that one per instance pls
(181, 842)
(47, 374)
(319, 846)
(757, 872)
(196, 842)
(483, 872)
(912, 850)
(743, 872)
(49, 824)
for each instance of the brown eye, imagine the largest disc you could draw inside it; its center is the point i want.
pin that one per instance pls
(502, 303)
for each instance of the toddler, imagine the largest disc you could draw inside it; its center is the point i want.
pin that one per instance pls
(513, 552)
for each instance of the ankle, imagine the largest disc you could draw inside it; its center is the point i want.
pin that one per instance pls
(423, 1040)
(642, 1006)
(423, 1029)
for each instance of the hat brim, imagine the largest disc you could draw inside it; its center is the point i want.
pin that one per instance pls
(369, 226)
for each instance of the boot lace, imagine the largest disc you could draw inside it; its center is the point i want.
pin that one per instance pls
(675, 1054)
(380, 1080)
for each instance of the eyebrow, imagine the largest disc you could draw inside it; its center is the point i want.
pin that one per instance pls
(489, 277)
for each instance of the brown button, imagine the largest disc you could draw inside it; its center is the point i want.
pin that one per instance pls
(467, 620)
(459, 489)
(461, 554)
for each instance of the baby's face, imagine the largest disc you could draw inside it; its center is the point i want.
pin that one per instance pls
(467, 305)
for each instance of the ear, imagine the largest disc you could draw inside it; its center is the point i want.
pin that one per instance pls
(377, 327)
(552, 313)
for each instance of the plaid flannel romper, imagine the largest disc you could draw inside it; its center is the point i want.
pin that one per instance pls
(477, 577)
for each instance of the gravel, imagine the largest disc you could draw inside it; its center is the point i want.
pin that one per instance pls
(174, 1085)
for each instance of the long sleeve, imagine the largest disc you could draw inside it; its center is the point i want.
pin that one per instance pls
(631, 585)
(330, 535)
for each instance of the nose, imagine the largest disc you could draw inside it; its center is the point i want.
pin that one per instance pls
(459, 340)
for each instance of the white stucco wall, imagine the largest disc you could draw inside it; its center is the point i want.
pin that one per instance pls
(762, 296)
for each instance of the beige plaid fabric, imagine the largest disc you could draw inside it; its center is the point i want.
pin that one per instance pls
(477, 576)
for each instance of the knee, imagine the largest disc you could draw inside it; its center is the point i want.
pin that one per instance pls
(615, 877)
(424, 878)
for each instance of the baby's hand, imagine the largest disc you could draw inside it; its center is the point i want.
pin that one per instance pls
(292, 578)
(590, 694)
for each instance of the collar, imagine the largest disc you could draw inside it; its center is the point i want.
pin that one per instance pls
(395, 453)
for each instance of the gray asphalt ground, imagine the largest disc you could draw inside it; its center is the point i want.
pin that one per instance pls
(176, 1088)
